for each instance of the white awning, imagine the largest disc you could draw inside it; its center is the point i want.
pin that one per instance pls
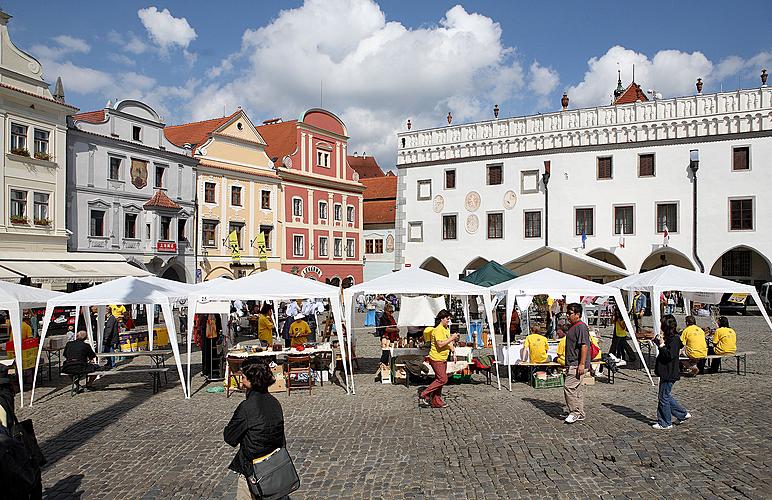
(8, 275)
(71, 271)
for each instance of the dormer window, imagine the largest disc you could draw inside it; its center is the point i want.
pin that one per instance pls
(136, 133)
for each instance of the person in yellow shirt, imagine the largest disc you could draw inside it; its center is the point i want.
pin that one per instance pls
(724, 342)
(442, 344)
(695, 347)
(299, 331)
(26, 328)
(119, 311)
(620, 344)
(265, 324)
(537, 346)
(561, 356)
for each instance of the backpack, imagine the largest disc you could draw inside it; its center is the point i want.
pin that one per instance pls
(18, 473)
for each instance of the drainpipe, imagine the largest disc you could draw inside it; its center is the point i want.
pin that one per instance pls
(694, 165)
(545, 179)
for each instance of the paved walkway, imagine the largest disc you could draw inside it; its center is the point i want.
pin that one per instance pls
(124, 442)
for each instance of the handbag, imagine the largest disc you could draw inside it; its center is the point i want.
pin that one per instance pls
(25, 433)
(274, 477)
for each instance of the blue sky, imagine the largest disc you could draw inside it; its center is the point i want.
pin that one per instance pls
(379, 64)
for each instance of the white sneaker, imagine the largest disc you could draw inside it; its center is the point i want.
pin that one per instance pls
(621, 362)
(686, 417)
(660, 428)
(572, 418)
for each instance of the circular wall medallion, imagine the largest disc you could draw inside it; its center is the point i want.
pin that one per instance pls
(472, 201)
(510, 200)
(438, 204)
(472, 224)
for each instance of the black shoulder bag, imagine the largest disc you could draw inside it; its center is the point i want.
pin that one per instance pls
(274, 477)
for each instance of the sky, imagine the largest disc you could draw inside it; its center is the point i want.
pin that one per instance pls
(378, 64)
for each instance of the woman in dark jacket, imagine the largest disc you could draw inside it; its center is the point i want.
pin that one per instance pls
(257, 425)
(668, 371)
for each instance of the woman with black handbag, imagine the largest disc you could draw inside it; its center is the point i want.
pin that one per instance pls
(257, 426)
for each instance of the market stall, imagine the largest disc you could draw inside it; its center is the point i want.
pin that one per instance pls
(14, 299)
(693, 286)
(556, 284)
(416, 281)
(270, 285)
(129, 291)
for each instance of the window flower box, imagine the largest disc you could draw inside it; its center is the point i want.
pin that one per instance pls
(17, 219)
(42, 222)
(20, 152)
(39, 155)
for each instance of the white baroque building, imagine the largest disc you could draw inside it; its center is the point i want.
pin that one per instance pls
(620, 174)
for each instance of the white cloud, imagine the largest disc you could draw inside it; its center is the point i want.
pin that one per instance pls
(166, 30)
(129, 42)
(542, 80)
(77, 79)
(121, 59)
(64, 45)
(72, 44)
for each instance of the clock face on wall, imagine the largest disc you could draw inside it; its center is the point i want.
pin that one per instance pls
(472, 224)
(438, 204)
(472, 201)
(510, 200)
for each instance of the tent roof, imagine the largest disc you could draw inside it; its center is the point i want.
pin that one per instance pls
(490, 274)
(416, 280)
(269, 284)
(549, 281)
(126, 290)
(674, 278)
(25, 297)
(564, 260)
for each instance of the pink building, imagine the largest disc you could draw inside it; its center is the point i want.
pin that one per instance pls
(322, 197)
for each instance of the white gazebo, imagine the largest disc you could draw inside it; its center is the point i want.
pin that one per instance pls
(694, 286)
(555, 284)
(127, 290)
(417, 281)
(269, 285)
(14, 299)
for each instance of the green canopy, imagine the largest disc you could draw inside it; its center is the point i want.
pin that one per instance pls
(490, 274)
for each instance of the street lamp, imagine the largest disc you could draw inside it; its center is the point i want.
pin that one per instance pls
(545, 179)
(694, 161)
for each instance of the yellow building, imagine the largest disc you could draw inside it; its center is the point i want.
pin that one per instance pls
(236, 192)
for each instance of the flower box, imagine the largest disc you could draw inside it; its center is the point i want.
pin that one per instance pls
(20, 152)
(15, 219)
(42, 156)
(42, 222)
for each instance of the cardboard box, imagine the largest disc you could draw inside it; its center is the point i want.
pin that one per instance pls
(279, 386)
(588, 380)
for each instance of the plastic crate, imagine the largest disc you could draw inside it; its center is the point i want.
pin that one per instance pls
(551, 382)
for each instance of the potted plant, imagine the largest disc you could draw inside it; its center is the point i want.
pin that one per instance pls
(40, 155)
(18, 219)
(20, 152)
(42, 222)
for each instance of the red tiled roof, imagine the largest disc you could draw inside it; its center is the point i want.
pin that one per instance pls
(281, 139)
(380, 188)
(379, 212)
(196, 132)
(365, 166)
(632, 93)
(160, 200)
(38, 96)
(91, 116)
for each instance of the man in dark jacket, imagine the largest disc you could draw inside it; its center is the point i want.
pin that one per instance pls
(79, 358)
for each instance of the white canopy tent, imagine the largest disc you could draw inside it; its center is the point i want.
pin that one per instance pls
(417, 281)
(270, 285)
(127, 290)
(554, 283)
(677, 279)
(566, 261)
(14, 299)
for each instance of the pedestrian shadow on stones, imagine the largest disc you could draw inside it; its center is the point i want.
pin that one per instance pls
(550, 408)
(65, 488)
(629, 413)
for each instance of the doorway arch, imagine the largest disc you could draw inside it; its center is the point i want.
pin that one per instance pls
(666, 256)
(434, 265)
(744, 264)
(604, 255)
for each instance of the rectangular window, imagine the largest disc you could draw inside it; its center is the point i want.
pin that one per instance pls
(136, 133)
(495, 226)
(130, 226)
(741, 214)
(604, 167)
(350, 213)
(267, 230)
(415, 231)
(40, 201)
(646, 165)
(450, 179)
(265, 200)
(378, 246)
(323, 159)
(532, 224)
(741, 159)
(238, 227)
(323, 246)
(338, 247)
(337, 212)
(236, 196)
(147, 231)
(298, 245)
(209, 232)
(297, 207)
(495, 175)
(182, 224)
(424, 190)
(18, 203)
(41, 142)
(623, 220)
(209, 195)
(18, 138)
(584, 221)
(159, 176)
(529, 181)
(449, 227)
(667, 215)
(115, 169)
(736, 263)
(374, 246)
(369, 246)
(323, 210)
(166, 223)
(350, 249)
(97, 226)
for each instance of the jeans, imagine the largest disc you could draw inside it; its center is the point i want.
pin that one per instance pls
(667, 406)
(111, 360)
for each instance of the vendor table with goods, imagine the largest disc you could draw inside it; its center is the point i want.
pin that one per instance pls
(397, 370)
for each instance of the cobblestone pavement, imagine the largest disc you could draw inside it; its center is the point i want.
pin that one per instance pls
(124, 442)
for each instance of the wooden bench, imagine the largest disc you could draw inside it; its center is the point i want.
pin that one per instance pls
(739, 356)
(155, 375)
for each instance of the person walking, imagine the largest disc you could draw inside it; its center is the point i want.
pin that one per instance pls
(441, 347)
(577, 363)
(257, 425)
(668, 371)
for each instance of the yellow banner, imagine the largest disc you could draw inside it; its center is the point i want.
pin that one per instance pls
(738, 298)
(233, 242)
(262, 251)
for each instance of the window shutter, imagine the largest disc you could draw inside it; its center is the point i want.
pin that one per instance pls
(740, 159)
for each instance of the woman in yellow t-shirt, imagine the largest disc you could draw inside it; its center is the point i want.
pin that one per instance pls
(441, 347)
(620, 343)
(724, 342)
(265, 324)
